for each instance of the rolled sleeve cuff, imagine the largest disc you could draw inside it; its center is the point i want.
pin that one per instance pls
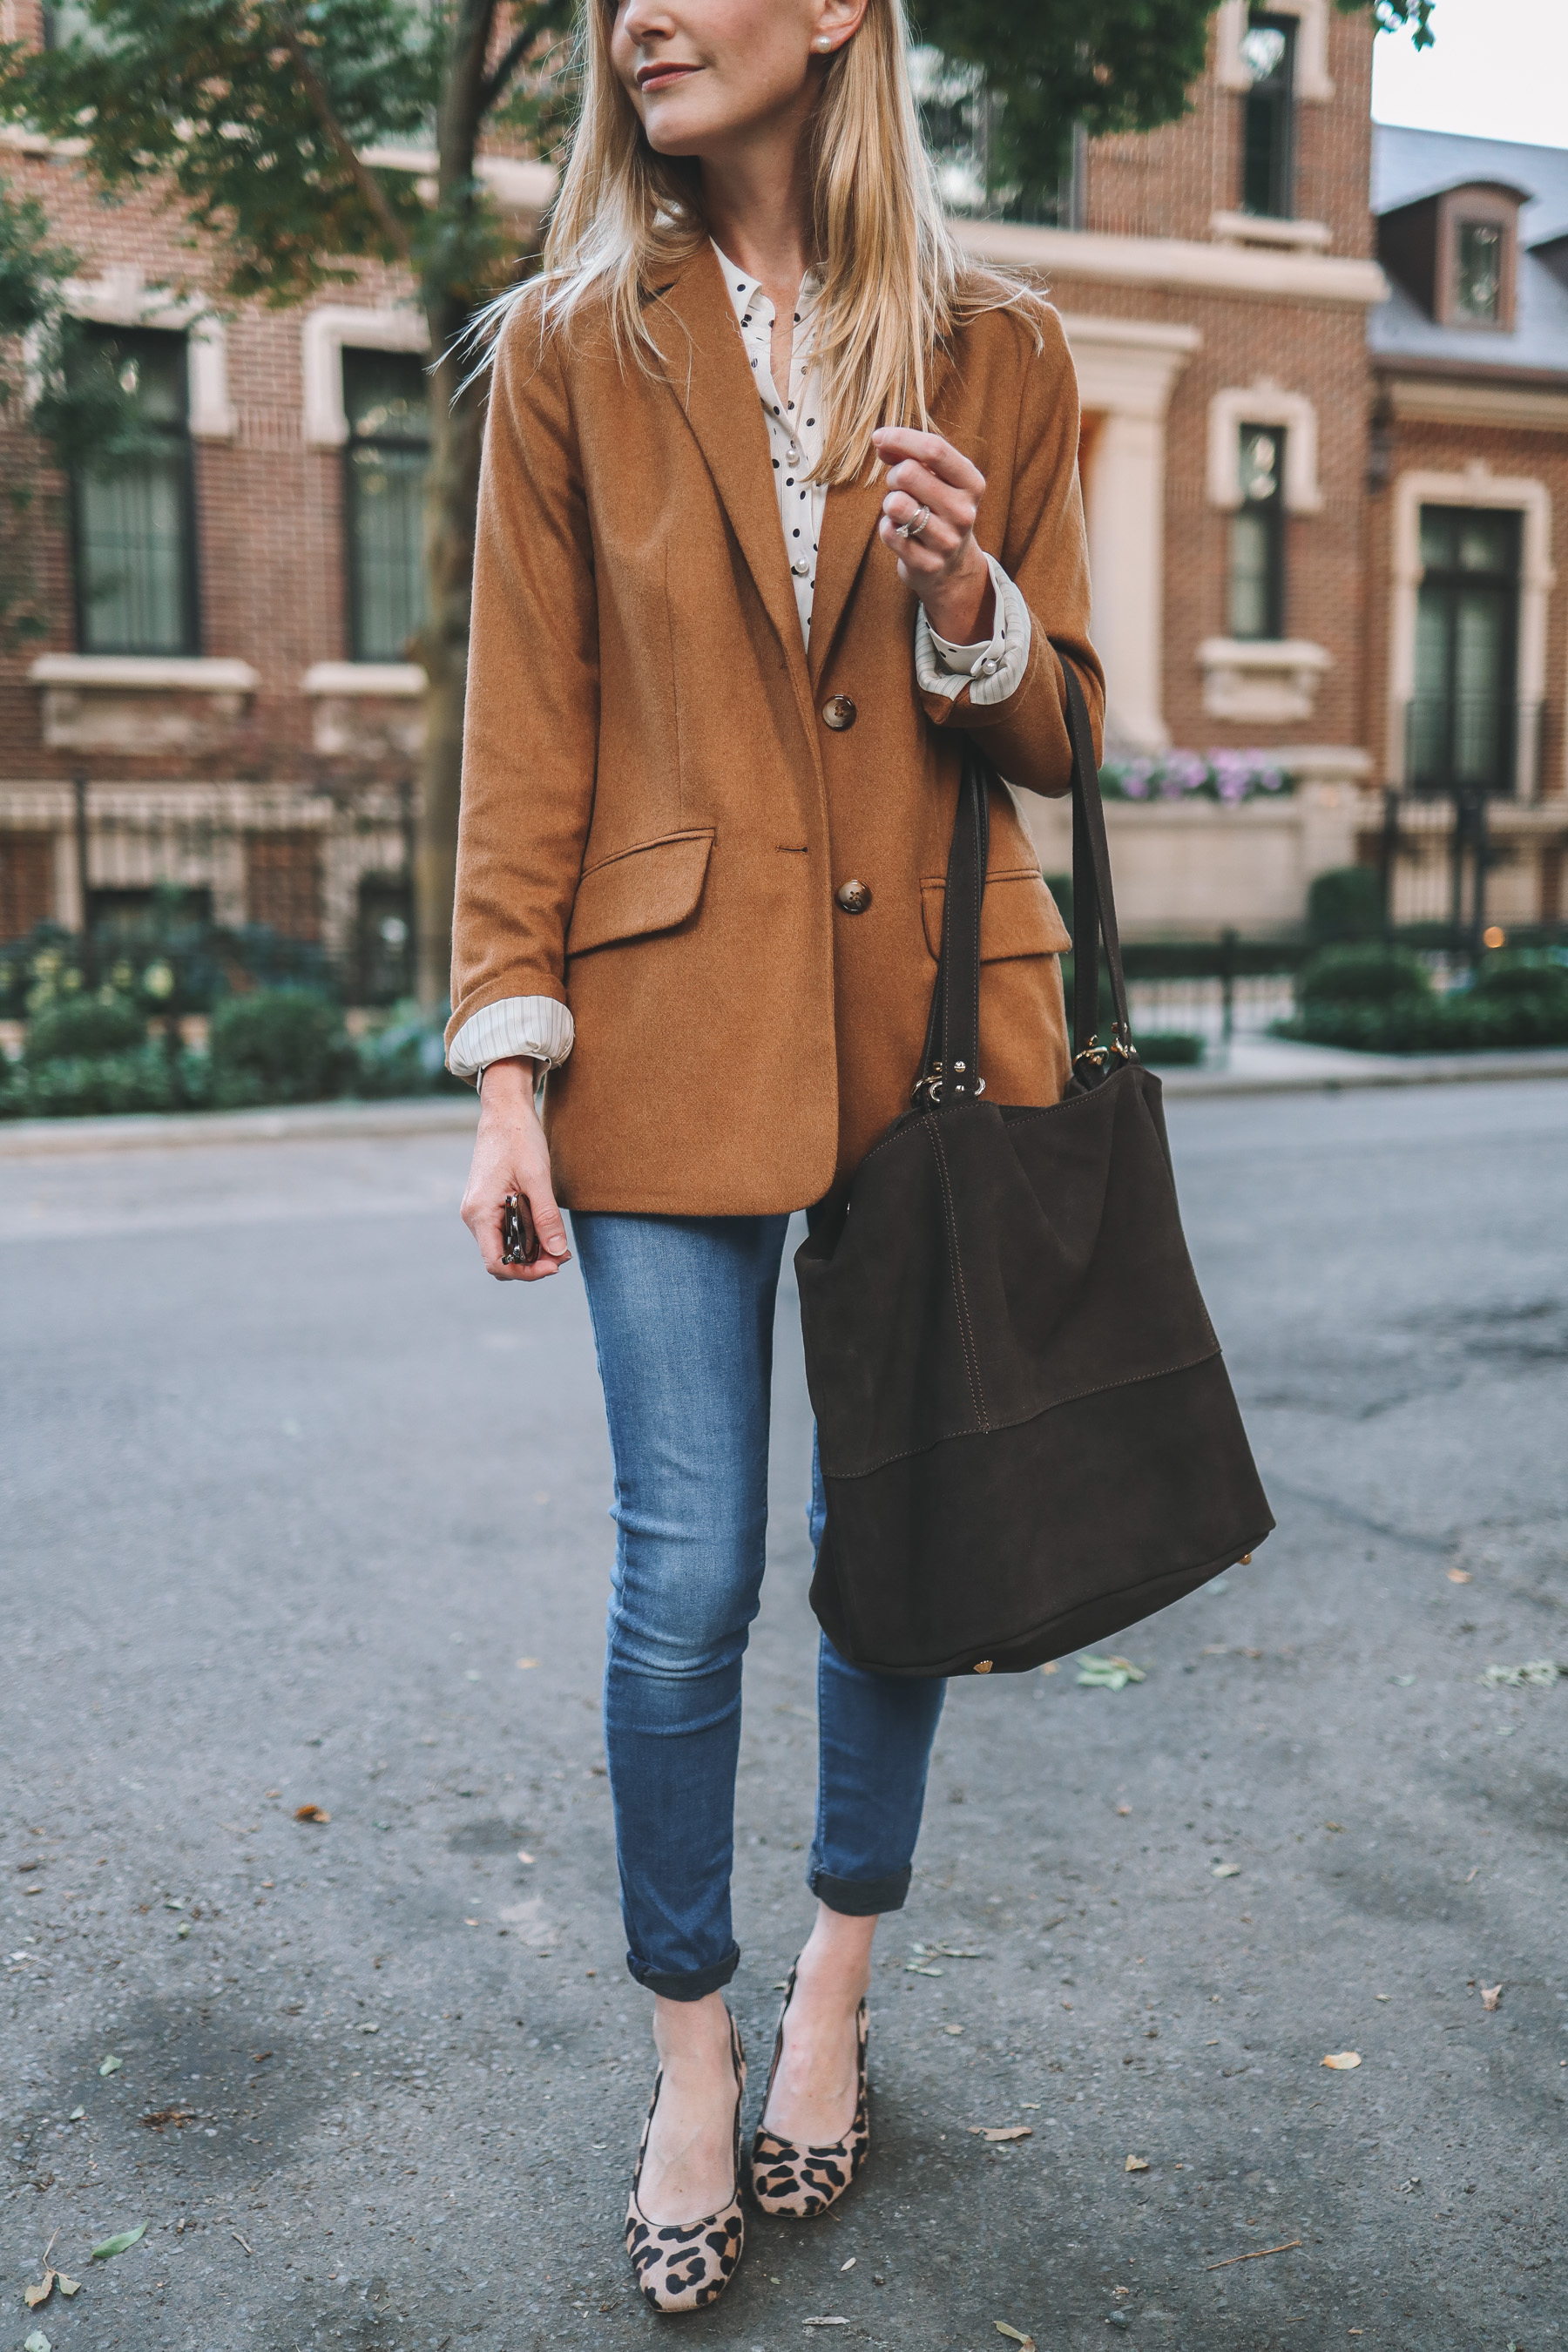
(512, 1026)
(992, 671)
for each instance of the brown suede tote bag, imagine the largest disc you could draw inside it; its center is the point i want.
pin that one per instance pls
(1028, 1435)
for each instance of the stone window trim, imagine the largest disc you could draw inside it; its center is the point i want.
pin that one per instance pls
(1476, 487)
(121, 299)
(326, 331)
(145, 673)
(1264, 403)
(1258, 228)
(1496, 207)
(1313, 80)
(398, 678)
(1266, 681)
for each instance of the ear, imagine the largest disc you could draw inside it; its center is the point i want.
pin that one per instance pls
(837, 22)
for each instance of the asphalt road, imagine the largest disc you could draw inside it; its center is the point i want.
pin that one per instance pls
(287, 1491)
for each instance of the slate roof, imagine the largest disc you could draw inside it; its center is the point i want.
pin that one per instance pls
(1409, 164)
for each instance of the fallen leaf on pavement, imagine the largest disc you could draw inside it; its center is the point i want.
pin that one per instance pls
(1460, 1576)
(1334, 1825)
(1227, 1870)
(162, 2117)
(37, 2342)
(825, 2322)
(1342, 2061)
(1536, 1674)
(1124, 1808)
(1001, 2131)
(66, 2286)
(850, 2264)
(76, 2115)
(34, 2296)
(312, 1813)
(1136, 2164)
(523, 1856)
(1051, 1666)
(919, 1969)
(257, 2057)
(952, 2029)
(949, 1951)
(1491, 1996)
(111, 2064)
(121, 2244)
(1003, 2329)
(1108, 1674)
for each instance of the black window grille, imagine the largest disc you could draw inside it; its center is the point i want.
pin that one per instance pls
(133, 515)
(1463, 720)
(386, 400)
(1258, 536)
(1269, 124)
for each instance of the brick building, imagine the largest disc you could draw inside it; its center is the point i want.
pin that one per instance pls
(1294, 364)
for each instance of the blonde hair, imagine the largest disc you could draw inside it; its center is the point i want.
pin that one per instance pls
(895, 280)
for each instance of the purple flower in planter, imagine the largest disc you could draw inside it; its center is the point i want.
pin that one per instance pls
(1184, 772)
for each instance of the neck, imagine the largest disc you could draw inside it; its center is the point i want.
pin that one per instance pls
(756, 196)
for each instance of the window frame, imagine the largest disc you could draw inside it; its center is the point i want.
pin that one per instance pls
(179, 432)
(1274, 510)
(354, 441)
(1281, 99)
(1506, 582)
(1477, 208)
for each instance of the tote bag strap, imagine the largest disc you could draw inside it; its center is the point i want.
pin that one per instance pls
(950, 1064)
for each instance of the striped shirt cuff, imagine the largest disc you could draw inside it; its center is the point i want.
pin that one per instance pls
(514, 1026)
(993, 671)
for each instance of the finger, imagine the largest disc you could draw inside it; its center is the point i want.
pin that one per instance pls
(918, 482)
(895, 443)
(939, 535)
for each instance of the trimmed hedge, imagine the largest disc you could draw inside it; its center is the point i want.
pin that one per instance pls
(86, 1027)
(1381, 999)
(278, 1045)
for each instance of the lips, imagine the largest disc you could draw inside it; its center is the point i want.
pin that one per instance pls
(663, 76)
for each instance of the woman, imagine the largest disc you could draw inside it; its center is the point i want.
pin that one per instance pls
(712, 753)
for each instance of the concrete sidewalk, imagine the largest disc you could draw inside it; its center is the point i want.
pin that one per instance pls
(1252, 1066)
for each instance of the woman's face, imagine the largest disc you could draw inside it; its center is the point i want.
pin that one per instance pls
(702, 72)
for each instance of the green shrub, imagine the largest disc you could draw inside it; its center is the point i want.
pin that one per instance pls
(408, 1057)
(1168, 1048)
(85, 1086)
(278, 1045)
(1345, 903)
(1363, 976)
(1521, 974)
(75, 1027)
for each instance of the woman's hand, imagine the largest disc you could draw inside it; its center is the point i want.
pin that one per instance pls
(943, 566)
(510, 1155)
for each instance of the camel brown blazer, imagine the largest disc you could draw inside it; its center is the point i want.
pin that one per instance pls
(656, 808)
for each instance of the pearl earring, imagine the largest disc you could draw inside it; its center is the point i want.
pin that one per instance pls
(822, 42)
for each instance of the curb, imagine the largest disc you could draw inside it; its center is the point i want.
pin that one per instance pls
(1419, 1070)
(39, 1139)
(36, 1139)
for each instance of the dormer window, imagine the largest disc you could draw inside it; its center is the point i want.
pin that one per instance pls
(1456, 253)
(1477, 271)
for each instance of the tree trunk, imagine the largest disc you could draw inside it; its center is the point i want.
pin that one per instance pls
(457, 432)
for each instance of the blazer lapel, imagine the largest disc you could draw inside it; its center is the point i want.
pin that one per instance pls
(704, 360)
(850, 519)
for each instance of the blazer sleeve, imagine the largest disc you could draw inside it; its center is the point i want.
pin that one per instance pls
(1042, 544)
(531, 721)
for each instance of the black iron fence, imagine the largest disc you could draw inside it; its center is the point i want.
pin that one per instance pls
(1469, 869)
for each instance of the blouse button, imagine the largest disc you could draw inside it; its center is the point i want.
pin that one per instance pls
(990, 665)
(838, 712)
(801, 571)
(853, 897)
(795, 452)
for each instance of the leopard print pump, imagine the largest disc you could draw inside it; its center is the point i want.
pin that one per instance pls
(687, 2265)
(799, 2183)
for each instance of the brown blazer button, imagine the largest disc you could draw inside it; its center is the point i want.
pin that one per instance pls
(853, 897)
(838, 712)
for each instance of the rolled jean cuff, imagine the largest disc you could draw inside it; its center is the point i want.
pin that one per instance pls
(696, 1986)
(861, 1898)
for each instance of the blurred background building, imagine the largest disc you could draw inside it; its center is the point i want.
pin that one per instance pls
(1324, 369)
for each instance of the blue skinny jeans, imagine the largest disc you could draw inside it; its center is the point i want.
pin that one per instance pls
(683, 1323)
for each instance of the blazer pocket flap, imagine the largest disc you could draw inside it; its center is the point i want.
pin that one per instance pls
(1017, 918)
(649, 889)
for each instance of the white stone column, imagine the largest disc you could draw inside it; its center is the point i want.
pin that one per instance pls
(1126, 370)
